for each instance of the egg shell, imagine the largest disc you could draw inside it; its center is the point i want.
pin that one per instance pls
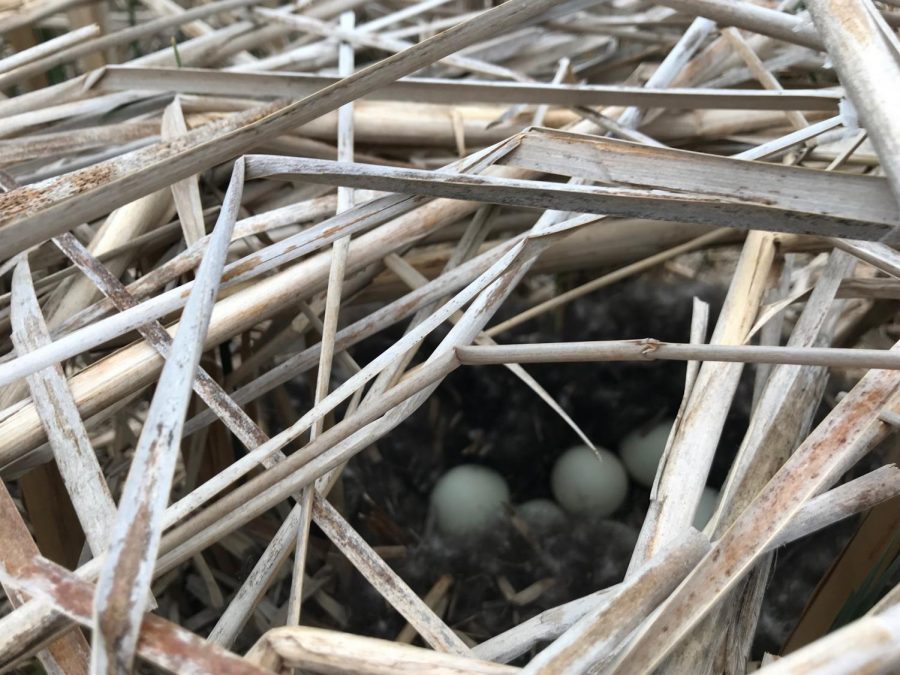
(586, 484)
(543, 514)
(467, 499)
(642, 449)
(709, 499)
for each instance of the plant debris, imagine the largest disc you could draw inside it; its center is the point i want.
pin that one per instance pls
(269, 272)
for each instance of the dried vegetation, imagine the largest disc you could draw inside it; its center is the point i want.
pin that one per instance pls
(242, 242)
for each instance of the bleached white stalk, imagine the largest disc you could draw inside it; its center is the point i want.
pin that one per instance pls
(72, 449)
(124, 582)
(339, 249)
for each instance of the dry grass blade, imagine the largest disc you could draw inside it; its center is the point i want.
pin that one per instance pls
(868, 644)
(760, 72)
(329, 651)
(648, 349)
(69, 653)
(672, 65)
(354, 422)
(123, 585)
(185, 192)
(854, 496)
(878, 255)
(749, 212)
(234, 617)
(32, 54)
(547, 625)
(627, 163)
(781, 25)
(266, 296)
(433, 90)
(340, 249)
(72, 449)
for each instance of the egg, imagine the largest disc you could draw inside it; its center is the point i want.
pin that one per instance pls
(586, 484)
(468, 499)
(642, 449)
(709, 499)
(541, 514)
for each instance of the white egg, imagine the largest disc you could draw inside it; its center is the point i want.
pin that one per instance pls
(585, 484)
(642, 449)
(707, 506)
(467, 499)
(542, 514)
